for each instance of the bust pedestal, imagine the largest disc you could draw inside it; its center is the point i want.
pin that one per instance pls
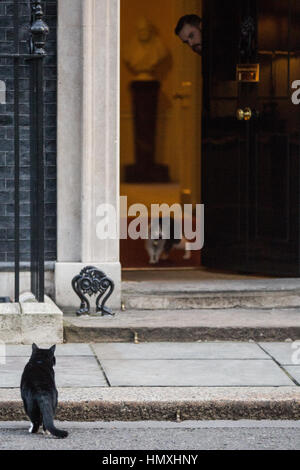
(145, 170)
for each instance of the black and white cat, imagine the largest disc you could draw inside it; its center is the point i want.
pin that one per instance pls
(159, 247)
(39, 392)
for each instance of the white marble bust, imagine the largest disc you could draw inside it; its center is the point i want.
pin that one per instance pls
(144, 51)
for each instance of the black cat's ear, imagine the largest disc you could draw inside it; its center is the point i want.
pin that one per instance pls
(52, 349)
(34, 347)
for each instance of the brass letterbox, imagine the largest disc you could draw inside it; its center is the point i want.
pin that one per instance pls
(247, 72)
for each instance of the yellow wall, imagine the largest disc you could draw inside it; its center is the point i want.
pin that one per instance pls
(158, 13)
(163, 14)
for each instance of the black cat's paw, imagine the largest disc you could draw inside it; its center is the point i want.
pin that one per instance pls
(33, 428)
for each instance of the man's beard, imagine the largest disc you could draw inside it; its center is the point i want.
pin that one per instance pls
(198, 49)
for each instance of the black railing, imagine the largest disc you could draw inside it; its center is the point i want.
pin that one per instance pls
(39, 31)
(33, 59)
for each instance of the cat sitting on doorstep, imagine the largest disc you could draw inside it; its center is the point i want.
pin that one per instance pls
(39, 392)
(159, 247)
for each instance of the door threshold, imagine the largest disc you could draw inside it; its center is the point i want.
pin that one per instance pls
(181, 268)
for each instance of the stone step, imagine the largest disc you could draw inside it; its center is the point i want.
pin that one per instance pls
(217, 294)
(232, 324)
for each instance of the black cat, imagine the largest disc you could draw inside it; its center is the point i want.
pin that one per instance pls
(39, 392)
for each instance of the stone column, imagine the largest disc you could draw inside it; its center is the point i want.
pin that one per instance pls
(88, 141)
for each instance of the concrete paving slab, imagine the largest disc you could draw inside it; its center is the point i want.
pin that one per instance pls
(285, 353)
(213, 350)
(78, 372)
(69, 372)
(166, 373)
(294, 371)
(71, 349)
(11, 371)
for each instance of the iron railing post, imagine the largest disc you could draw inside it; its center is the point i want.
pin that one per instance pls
(16, 155)
(39, 31)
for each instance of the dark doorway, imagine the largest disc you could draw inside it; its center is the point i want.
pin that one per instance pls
(251, 136)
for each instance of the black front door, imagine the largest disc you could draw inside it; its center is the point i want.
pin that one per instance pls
(251, 136)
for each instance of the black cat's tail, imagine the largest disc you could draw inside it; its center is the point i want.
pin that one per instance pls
(47, 413)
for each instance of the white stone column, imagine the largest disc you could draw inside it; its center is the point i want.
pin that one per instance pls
(88, 141)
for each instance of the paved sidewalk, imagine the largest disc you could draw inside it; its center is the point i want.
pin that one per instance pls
(127, 381)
